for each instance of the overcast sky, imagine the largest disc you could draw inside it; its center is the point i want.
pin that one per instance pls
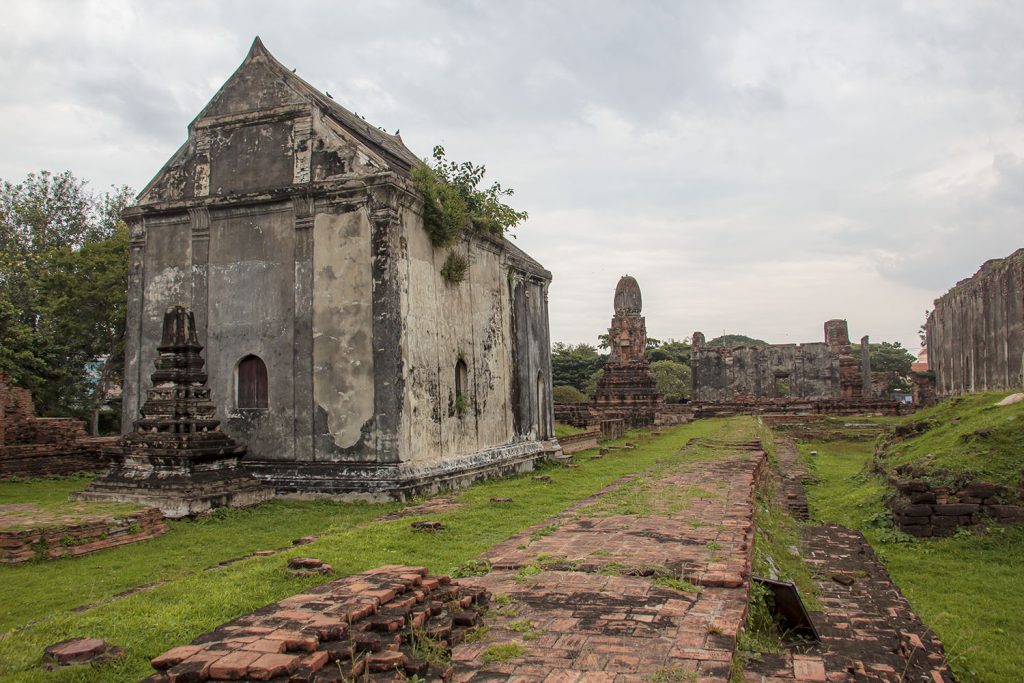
(759, 167)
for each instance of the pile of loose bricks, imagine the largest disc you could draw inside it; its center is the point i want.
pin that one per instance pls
(375, 626)
(31, 446)
(40, 535)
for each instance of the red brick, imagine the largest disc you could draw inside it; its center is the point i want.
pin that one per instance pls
(808, 668)
(175, 656)
(265, 646)
(233, 665)
(294, 641)
(272, 665)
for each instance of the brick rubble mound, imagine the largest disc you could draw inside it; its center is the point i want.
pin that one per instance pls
(364, 627)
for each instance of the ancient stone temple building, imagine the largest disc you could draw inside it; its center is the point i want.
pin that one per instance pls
(826, 370)
(335, 349)
(975, 332)
(626, 383)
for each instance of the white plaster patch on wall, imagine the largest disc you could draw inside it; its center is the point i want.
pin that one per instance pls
(343, 382)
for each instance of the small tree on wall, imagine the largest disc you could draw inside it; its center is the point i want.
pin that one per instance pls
(453, 200)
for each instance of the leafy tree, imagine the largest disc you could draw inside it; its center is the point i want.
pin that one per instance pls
(573, 365)
(673, 379)
(564, 394)
(453, 200)
(734, 340)
(678, 351)
(63, 280)
(893, 360)
(85, 298)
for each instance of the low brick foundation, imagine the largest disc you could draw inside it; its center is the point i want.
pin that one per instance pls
(78, 535)
(923, 510)
(579, 442)
(585, 415)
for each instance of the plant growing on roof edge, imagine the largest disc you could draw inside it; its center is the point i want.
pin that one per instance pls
(453, 200)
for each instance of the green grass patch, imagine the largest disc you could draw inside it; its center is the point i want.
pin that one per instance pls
(503, 653)
(49, 496)
(967, 588)
(190, 594)
(679, 584)
(562, 429)
(969, 438)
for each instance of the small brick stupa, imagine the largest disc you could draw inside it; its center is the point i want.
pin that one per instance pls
(176, 458)
(627, 383)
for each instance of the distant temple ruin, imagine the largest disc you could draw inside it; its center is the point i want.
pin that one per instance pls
(826, 370)
(975, 334)
(336, 351)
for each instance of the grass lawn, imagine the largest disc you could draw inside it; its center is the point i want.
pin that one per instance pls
(967, 588)
(192, 595)
(562, 429)
(968, 438)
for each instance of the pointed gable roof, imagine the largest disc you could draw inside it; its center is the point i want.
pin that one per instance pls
(262, 83)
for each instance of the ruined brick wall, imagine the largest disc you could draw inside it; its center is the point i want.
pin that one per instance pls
(812, 371)
(33, 446)
(976, 331)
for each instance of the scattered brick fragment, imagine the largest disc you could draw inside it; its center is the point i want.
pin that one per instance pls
(80, 651)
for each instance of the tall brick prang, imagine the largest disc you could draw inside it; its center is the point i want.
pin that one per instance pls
(627, 383)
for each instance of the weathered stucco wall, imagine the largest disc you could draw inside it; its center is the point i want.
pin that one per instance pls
(777, 371)
(472, 322)
(976, 331)
(249, 310)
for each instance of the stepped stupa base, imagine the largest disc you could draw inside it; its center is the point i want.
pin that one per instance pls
(176, 458)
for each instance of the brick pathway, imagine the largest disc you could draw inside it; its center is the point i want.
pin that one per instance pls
(868, 630)
(592, 594)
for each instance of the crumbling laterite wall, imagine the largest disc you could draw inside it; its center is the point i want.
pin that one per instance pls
(975, 333)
